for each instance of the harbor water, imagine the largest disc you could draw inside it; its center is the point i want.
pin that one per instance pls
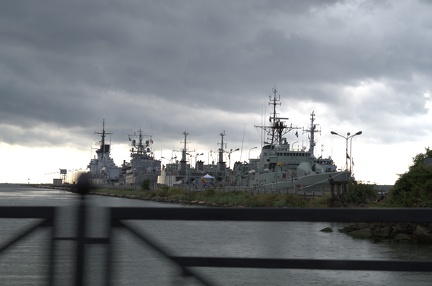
(137, 264)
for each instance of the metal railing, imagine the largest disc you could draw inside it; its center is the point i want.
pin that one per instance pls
(45, 216)
(121, 217)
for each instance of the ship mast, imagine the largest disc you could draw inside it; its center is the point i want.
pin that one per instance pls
(103, 146)
(312, 135)
(277, 124)
(140, 150)
(312, 131)
(184, 146)
(184, 151)
(221, 163)
(278, 127)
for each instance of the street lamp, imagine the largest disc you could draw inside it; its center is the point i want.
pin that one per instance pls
(196, 157)
(229, 156)
(250, 150)
(349, 136)
(351, 158)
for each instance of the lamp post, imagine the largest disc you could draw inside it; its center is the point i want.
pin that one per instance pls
(351, 158)
(349, 136)
(196, 157)
(250, 150)
(229, 156)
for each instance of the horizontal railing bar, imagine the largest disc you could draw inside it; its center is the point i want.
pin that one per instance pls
(88, 240)
(319, 264)
(282, 214)
(155, 246)
(27, 212)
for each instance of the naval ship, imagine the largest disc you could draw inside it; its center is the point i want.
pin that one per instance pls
(280, 167)
(102, 168)
(143, 165)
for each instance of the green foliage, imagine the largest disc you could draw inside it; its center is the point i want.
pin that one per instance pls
(264, 200)
(165, 192)
(218, 198)
(291, 201)
(145, 185)
(164, 188)
(210, 192)
(319, 202)
(360, 194)
(413, 188)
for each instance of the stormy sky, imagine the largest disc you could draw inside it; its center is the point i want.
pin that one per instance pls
(209, 66)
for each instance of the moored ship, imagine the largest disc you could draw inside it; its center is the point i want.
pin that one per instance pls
(280, 167)
(143, 165)
(102, 168)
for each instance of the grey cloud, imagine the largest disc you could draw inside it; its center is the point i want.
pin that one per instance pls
(143, 64)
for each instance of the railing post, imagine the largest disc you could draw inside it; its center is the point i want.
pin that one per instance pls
(52, 254)
(83, 186)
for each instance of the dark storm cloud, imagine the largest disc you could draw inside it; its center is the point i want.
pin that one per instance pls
(171, 66)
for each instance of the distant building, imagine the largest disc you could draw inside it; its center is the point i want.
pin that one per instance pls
(382, 189)
(57, 182)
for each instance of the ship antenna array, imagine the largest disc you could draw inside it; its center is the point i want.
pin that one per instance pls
(141, 147)
(223, 145)
(184, 146)
(277, 128)
(312, 130)
(103, 133)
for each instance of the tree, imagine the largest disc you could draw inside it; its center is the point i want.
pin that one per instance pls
(414, 188)
(360, 194)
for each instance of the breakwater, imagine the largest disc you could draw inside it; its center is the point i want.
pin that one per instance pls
(391, 232)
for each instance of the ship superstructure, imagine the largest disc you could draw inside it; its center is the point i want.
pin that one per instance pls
(142, 165)
(280, 166)
(177, 172)
(102, 168)
(184, 172)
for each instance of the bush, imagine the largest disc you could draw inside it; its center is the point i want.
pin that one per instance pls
(210, 192)
(145, 185)
(413, 188)
(360, 194)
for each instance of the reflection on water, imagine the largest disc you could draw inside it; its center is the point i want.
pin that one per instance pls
(136, 264)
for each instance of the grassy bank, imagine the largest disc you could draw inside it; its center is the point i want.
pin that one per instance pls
(212, 197)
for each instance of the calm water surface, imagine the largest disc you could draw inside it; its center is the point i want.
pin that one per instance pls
(136, 264)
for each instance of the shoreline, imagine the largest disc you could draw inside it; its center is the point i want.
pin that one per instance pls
(409, 233)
